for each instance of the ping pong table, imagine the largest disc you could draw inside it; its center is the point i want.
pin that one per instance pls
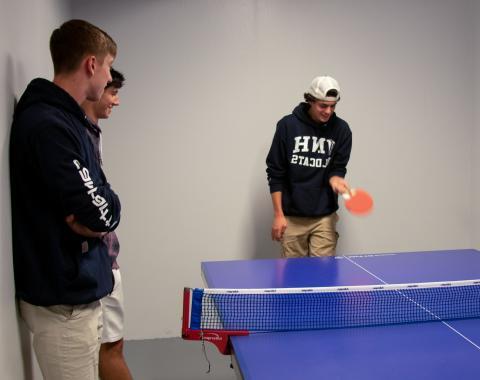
(429, 350)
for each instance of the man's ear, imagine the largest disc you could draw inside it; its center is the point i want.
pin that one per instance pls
(90, 63)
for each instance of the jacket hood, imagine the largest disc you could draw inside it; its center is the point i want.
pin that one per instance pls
(301, 112)
(41, 90)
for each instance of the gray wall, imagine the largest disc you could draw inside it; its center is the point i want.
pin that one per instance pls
(476, 135)
(23, 55)
(208, 80)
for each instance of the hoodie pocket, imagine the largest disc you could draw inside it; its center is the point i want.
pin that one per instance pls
(306, 200)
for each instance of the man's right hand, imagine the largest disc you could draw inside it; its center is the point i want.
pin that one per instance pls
(278, 227)
(82, 230)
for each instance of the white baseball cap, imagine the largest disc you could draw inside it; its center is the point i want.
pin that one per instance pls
(320, 87)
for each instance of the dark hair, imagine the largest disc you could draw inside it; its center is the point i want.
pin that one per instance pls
(75, 39)
(117, 79)
(310, 98)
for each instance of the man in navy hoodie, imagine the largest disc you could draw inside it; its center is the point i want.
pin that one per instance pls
(112, 362)
(62, 205)
(306, 166)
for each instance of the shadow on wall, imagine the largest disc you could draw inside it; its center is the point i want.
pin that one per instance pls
(23, 332)
(262, 215)
(28, 357)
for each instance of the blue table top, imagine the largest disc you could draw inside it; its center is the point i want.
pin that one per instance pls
(434, 350)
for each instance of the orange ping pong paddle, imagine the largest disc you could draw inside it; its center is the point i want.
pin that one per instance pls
(358, 202)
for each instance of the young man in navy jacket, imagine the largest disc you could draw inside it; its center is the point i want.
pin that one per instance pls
(62, 205)
(306, 166)
(112, 362)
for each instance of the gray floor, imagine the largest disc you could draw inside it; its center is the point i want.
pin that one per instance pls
(176, 359)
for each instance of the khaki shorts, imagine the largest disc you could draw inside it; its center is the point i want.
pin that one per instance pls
(66, 339)
(310, 236)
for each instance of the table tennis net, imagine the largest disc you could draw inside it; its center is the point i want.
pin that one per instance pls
(292, 309)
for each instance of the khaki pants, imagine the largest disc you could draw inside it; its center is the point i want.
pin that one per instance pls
(66, 339)
(310, 236)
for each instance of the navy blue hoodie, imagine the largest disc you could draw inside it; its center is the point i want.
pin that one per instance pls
(303, 157)
(54, 173)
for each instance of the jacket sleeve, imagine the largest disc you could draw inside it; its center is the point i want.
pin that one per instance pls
(71, 182)
(338, 165)
(277, 164)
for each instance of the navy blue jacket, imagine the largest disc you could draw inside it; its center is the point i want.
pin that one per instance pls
(54, 173)
(303, 157)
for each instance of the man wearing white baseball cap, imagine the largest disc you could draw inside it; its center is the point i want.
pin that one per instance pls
(306, 166)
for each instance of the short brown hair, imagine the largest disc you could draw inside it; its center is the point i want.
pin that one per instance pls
(309, 98)
(75, 39)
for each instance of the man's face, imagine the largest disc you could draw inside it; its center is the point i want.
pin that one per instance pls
(110, 98)
(101, 76)
(321, 110)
